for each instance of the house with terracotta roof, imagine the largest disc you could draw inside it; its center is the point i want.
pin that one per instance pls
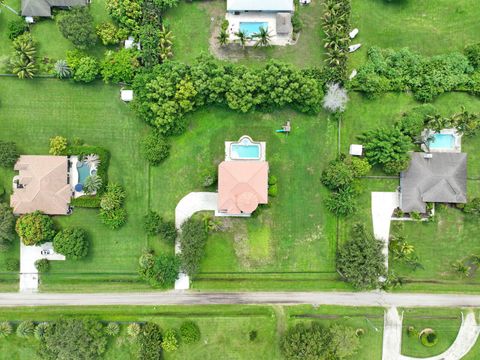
(242, 178)
(42, 184)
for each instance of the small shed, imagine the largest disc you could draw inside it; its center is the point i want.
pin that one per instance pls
(356, 150)
(126, 95)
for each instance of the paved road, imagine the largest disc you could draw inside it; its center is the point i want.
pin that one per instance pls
(283, 298)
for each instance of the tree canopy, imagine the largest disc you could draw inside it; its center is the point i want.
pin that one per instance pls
(71, 242)
(360, 260)
(76, 25)
(35, 228)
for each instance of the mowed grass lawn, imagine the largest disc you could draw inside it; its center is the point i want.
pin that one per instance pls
(445, 323)
(428, 27)
(34, 111)
(192, 26)
(224, 330)
(296, 233)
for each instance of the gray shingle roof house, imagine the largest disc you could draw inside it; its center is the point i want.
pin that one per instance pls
(43, 8)
(260, 5)
(435, 177)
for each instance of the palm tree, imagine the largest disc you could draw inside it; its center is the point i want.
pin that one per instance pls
(461, 269)
(242, 37)
(92, 160)
(263, 37)
(223, 37)
(23, 68)
(165, 42)
(24, 47)
(92, 184)
(62, 70)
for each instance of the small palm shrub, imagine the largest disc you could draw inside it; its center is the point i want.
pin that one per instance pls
(58, 145)
(93, 183)
(92, 160)
(133, 330)
(5, 329)
(25, 329)
(112, 329)
(62, 70)
(40, 330)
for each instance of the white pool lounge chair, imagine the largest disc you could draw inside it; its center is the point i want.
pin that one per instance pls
(353, 33)
(353, 48)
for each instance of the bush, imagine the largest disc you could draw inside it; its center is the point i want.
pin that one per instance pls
(273, 190)
(472, 207)
(151, 223)
(387, 147)
(360, 167)
(58, 145)
(8, 154)
(413, 122)
(155, 148)
(40, 331)
(252, 335)
(109, 34)
(150, 342)
(472, 52)
(112, 329)
(113, 198)
(75, 339)
(297, 23)
(12, 265)
(25, 329)
(35, 228)
(17, 27)
(272, 180)
(86, 70)
(337, 175)
(7, 226)
(360, 260)
(189, 332)
(119, 66)
(193, 239)
(128, 13)
(167, 231)
(113, 219)
(170, 341)
(161, 271)
(86, 201)
(429, 338)
(342, 202)
(71, 242)
(5, 329)
(76, 25)
(42, 265)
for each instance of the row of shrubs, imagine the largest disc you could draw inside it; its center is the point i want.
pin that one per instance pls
(86, 338)
(426, 77)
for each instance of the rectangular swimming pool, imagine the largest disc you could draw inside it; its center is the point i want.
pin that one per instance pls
(252, 28)
(442, 141)
(245, 152)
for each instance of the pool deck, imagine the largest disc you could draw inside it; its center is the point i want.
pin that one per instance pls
(270, 18)
(457, 146)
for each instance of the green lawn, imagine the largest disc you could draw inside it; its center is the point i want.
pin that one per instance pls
(192, 26)
(34, 111)
(445, 322)
(296, 233)
(368, 319)
(224, 329)
(429, 27)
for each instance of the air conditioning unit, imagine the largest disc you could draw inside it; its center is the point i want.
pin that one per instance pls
(427, 156)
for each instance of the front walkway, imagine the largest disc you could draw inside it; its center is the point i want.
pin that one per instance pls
(189, 205)
(392, 338)
(383, 205)
(28, 271)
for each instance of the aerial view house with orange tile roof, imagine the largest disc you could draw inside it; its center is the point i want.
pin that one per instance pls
(242, 178)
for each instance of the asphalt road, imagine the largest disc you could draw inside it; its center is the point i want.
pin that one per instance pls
(380, 299)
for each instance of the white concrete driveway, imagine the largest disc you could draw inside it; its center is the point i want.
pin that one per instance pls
(28, 271)
(392, 338)
(189, 205)
(383, 204)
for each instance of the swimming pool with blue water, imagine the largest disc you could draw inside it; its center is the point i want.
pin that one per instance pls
(252, 28)
(442, 141)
